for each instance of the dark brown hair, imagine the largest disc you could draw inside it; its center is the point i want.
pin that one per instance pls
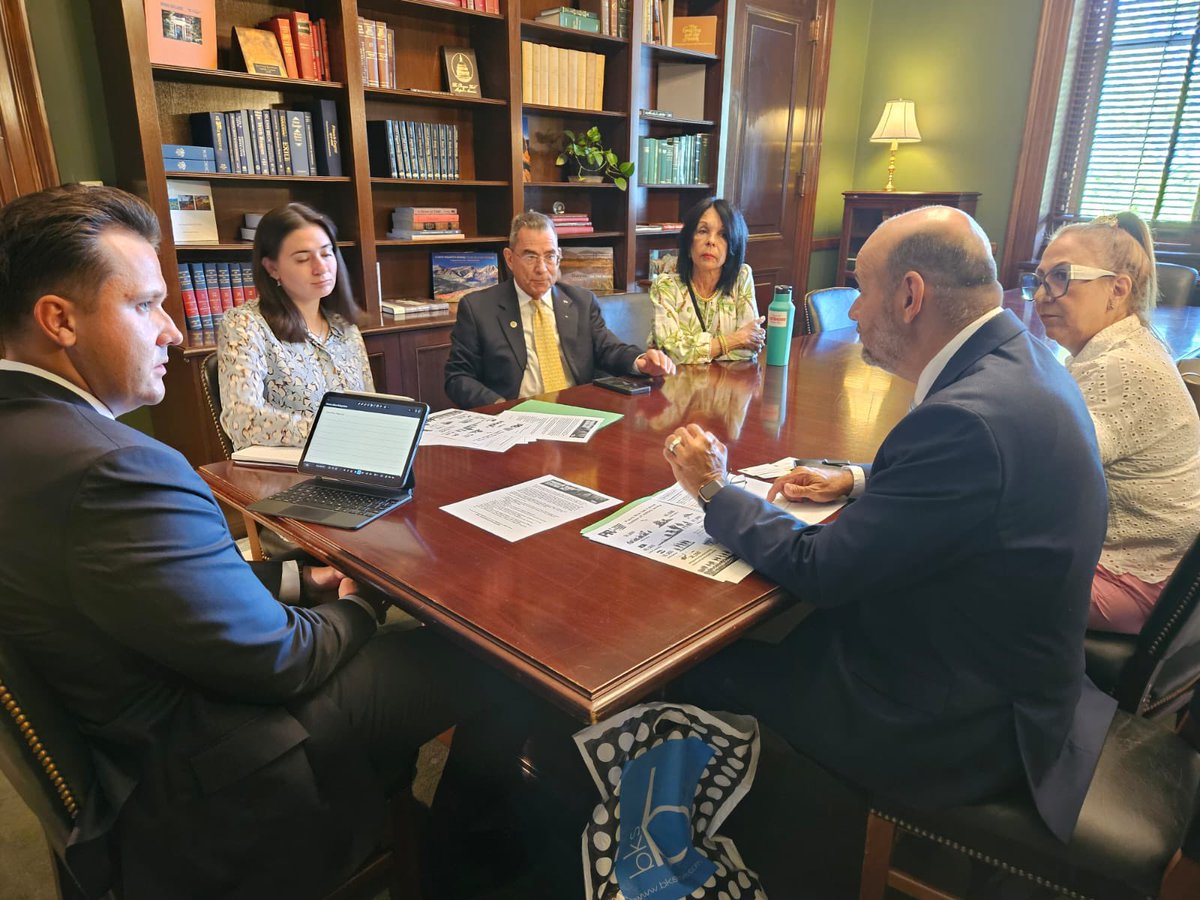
(736, 235)
(273, 301)
(50, 244)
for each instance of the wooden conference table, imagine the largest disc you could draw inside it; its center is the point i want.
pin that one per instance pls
(590, 627)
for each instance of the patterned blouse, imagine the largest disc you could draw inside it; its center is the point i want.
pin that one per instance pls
(1149, 437)
(270, 389)
(686, 339)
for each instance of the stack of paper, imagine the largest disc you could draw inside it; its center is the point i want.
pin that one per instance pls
(463, 428)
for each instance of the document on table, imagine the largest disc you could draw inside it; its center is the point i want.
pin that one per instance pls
(259, 455)
(562, 409)
(530, 507)
(669, 527)
(804, 510)
(545, 427)
(498, 434)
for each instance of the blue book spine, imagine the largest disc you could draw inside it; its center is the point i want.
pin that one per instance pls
(299, 146)
(398, 143)
(329, 147)
(454, 134)
(276, 132)
(209, 128)
(310, 142)
(237, 142)
(266, 145)
(177, 164)
(188, 151)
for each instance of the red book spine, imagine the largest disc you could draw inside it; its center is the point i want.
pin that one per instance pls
(283, 33)
(326, 59)
(302, 40)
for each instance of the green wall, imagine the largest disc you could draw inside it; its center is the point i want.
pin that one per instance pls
(967, 65)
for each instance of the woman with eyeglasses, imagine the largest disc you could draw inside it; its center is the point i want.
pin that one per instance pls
(706, 311)
(1094, 290)
(278, 356)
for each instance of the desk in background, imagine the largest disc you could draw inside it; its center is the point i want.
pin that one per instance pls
(593, 628)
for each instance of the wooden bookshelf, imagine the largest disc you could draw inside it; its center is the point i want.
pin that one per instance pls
(148, 105)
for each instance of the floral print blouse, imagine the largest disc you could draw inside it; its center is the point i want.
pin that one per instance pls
(271, 389)
(686, 339)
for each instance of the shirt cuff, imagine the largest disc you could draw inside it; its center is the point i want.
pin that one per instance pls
(364, 604)
(633, 369)
(289, 582)
(860, 481)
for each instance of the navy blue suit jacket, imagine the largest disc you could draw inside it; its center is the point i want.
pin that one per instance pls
(487, 347)
(959, 586)
(217, 766)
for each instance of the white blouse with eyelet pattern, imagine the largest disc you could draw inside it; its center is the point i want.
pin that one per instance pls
(1149, 435)
(271, 389)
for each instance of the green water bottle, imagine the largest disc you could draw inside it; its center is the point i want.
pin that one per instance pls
(779, 326)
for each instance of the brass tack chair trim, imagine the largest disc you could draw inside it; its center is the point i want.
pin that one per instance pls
(982, 857)
(39, 753)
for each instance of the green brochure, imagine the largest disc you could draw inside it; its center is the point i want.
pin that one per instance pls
(560, 409)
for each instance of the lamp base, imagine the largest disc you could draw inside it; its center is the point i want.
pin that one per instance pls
(890, 187)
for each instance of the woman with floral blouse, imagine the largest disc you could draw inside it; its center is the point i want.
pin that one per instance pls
(278, 356)
(706, 310)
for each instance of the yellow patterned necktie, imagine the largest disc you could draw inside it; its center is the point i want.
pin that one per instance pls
(545, 344)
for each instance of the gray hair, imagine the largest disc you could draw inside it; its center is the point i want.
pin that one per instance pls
(960, 268)
(534, 221)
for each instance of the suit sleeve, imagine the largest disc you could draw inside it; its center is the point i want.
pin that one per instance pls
(464, 366)
(608, 351)
(930, 506)
(154, 567)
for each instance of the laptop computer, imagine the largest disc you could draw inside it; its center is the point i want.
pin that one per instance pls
(361, 449)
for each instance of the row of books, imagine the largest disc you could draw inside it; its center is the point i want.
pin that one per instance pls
(291, 46)
(569, 17)
(572, 223)
(377, 51)
(682, 159)
(272, 141)
(426, 223)
(188, 158)
(558, 76)
(421, 150)
(611, 17)
(491, 6)
(658, 228)
(211, 288)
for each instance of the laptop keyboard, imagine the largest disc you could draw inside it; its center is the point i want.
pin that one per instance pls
(309, 494)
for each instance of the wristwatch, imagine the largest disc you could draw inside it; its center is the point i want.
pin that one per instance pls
(709, 489)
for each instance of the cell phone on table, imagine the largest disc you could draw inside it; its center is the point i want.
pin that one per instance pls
(623, 385)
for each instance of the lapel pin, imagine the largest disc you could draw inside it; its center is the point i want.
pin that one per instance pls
(512, 324)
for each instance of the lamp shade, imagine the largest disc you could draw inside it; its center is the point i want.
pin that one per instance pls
(898, 123)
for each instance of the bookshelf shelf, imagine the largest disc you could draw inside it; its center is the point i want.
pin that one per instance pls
(571, 112)
(433, 8)
(440, 98)
(573, 185)
(226, 78)
(469, 239)
(429, 182)
(227, 176)
(659, 234)
(677, 122)
(233, 246)
(563, 238)
(573, 38)
(676, 54)
(678, 187)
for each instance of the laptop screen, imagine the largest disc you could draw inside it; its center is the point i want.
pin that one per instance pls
(364, 438)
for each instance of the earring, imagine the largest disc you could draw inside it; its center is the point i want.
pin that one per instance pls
(279, 284)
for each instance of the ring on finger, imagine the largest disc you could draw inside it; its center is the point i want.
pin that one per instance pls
(673, 443)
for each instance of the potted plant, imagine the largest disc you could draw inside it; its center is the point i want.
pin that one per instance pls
(586, 154)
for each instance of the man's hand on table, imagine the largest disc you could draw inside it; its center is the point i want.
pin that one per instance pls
(817, 485)
(696, 457)
(654, 362)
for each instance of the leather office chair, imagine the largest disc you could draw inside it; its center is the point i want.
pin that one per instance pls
(1138, 834)
(629, 316)
(48, 762)
(828, 308)
(1176, 284)
(1192, 381)
(44, 756)
(1154, 672)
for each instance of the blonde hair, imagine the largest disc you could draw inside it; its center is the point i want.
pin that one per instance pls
(1128, 249)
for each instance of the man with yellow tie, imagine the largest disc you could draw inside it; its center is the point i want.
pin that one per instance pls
(528, 336)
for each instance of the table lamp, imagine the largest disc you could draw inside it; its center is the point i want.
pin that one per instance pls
(898, 124)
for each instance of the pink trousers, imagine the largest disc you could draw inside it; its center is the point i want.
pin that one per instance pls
(1121, 603)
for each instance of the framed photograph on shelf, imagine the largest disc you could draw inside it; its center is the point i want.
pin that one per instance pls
(462, 73)
(182, 32)
(193, 219)
(457, 274)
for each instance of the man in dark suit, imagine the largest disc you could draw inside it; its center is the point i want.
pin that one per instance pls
(944, 663)
(242, 747)
(528, 336)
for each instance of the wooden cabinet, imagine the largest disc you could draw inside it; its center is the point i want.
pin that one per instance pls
(865, 210)
(149, 105)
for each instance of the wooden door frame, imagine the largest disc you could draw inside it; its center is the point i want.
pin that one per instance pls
(27, 162)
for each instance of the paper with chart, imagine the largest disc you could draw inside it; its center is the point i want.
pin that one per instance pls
(523, 509)
(669, 527)
(500, 433)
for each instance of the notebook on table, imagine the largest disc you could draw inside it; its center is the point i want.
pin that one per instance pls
(360, 449)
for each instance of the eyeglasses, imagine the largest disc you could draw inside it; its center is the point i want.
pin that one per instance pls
(531, 259)
(1058, 280)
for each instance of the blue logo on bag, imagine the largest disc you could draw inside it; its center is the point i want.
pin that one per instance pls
(656, 859)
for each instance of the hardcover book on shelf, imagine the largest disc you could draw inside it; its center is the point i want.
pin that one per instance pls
(193, 220)
(681, 89)
(462, 73)
(259, 52)
(590, 268)
(409, 307)
(182, 32)
(695, 33)
(282, 29)
(458, 274)
(663, 262)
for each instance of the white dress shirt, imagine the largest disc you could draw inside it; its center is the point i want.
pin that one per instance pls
(11, 366)
(532, 383)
